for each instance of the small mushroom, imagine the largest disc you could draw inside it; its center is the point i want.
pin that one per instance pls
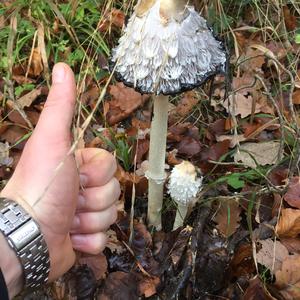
(184, 184)
(167, 48)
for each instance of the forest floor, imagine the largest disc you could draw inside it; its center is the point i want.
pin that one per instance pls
(242, 239)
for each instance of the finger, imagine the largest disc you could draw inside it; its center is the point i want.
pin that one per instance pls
(92, 222)
(96, 166)
(59, 107)
(89, 243)
(99, 198)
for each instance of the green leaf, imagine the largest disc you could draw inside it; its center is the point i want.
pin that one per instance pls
(235, 181)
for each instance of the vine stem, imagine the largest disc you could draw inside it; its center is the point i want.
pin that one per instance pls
(157, 156)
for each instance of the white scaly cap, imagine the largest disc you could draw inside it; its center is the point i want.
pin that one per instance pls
(183, 183)
(167, 48)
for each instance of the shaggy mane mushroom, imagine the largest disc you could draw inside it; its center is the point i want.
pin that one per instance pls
(166, 48)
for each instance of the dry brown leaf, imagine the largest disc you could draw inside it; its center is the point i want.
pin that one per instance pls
(13, 134)
(125, 101)
(184, 107)
(26, 100)
(228, 217)
(290, 20)
(43, 51)
(288, 278)
(5, 160)
(296, 97)
(115, 17)
(292, 196)
(113, 244)
(240, 105)
(253, 60)
(234, 139)
(272, 254)
(256, 154)
(289, 223)
(36, 65)
(293, 245)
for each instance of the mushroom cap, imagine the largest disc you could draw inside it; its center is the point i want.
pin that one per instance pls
(167, 48)
(183, 183)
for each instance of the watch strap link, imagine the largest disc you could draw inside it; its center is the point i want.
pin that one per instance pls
(24, 236)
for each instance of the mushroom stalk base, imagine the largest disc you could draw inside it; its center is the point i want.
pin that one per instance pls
(157, 155)
(181, 213)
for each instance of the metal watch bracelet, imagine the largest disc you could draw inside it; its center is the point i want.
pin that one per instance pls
(24, 236)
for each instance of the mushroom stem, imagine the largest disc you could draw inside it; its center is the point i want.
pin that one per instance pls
(157, 156)
(181, 213)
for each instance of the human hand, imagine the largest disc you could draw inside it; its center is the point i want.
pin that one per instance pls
(46, 181)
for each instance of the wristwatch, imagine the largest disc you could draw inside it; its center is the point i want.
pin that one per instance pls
(24, 236)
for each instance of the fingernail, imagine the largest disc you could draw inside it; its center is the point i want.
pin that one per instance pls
(78, 240)
(59, 74)
(75, 223)
(83, 179)
(81, 201)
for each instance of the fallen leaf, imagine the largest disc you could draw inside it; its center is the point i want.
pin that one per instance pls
(290, 20)
(240, 105)
(296, 97)
(36, 65)
(257, 291)
(272, 254)
(97, 263)
(13, 134)
(113, 244)
(228, 217)
(119, 285)
(115, 17)
(5, 160)
(293, 245)
(258, 154)
(242, 262)
(288, 278)
(125, 101)
(184, 107)
(292, 196)
(189, 147)
(289, 223)
(234, 139)
(148, 286)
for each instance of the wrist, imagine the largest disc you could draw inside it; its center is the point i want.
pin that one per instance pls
(11, 268)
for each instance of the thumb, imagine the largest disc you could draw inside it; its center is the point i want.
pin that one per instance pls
(59, 107)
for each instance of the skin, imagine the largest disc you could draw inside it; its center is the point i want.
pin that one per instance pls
(70, 218)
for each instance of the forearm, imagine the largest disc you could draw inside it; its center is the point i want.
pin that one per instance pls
(11, 268)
